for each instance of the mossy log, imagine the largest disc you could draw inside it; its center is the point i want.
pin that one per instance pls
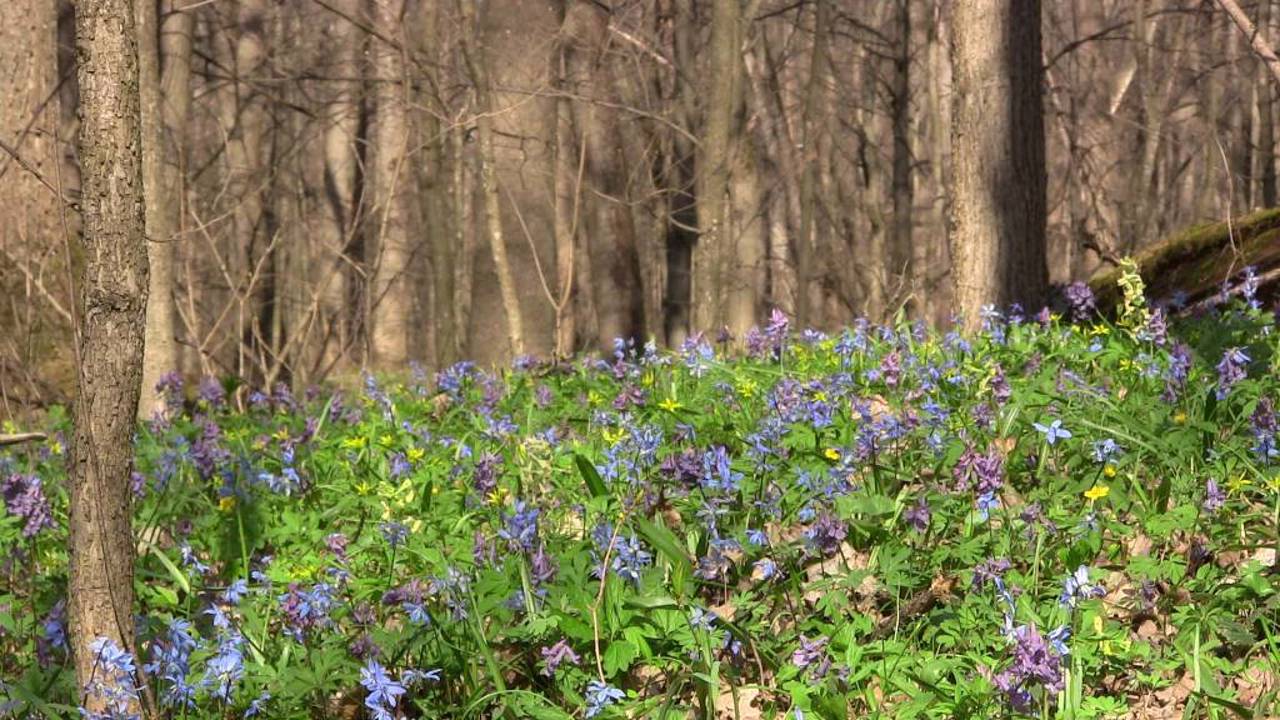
(1198, 259)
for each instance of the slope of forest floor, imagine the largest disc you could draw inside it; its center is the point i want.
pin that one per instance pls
(1043, 518)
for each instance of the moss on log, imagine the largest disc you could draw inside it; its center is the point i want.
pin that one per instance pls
(1196, 260)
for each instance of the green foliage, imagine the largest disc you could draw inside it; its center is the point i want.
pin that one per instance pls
(885, 523)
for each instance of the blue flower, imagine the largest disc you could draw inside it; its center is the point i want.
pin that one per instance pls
(599, 696)
(1076, 587)
(383, 691)
(1231, 370)
(1053, 432)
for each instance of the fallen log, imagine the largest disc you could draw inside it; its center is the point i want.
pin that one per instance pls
(1198, 260)
(17, 438)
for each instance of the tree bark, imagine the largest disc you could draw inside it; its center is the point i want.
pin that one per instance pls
(164, 73)
(902, 267)
(391, 303)
(808, 291)
(1257, 40)
(712, 253)
(28, 116)
(614, 259)
(998, 211)
(114, 296)
(478, 65)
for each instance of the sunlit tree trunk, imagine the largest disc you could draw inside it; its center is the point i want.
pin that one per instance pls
(109, 368)
(998, 168)
(391, 300)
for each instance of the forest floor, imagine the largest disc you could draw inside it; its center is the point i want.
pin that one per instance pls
(1043, 518)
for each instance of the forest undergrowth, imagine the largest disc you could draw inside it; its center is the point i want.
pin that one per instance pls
(1065, 516)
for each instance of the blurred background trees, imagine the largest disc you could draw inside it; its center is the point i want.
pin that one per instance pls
(338, 184)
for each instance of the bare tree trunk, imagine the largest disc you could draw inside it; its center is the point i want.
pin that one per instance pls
(901, 266)
(1257, 40)
(712, 253)
(114, 291)
(682, 210)
(163, 209)
(567, 197)
(29, 115)
(391, 303)
(998, 178)
(808, 291)
(479, 67)
(341, 238)
(614, 258)
(1266, 94)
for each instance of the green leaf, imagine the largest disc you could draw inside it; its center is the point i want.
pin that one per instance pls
(589, 475)
(619, 656)
(665, 541)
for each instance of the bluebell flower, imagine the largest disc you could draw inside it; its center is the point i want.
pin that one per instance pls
(224, 670)
(702, 619)
(395, 533)
(258, 705)
(1077, 587)
(520, 528)
(383, 693)
(1053, 432)
(234, 592)
(765, 569)
(112, 684)
(1106, 449)
(601, 695)
(757, 537)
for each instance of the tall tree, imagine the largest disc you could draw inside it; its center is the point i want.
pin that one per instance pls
(997, 182)
(28, 117)
(902, 265)
(391, 298)
(113, 305)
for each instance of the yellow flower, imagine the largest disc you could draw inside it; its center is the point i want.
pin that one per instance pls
(1238, 483)
(282, 434)
(363, 487)
(670, 405)
(55, 447)
(612, 436)
(1097, 492)
(498, 496)
(415, 454)
(227, 503)
(1180, 417)
(387, 440)
(1100, 330)
(1109, 470)
(831, 454)
(354, 443)
(747, 388)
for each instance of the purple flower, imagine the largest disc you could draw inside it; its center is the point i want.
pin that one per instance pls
(1214, 497)
(1231, 370)
(809, 652)
(24, 498)
(918, 515)
(1035, 663)
(556, 655)
(991, 570)
(395, 533)
(825, 535)
(337, 544)
(210, 392)
(520, 528)
(1080, 299)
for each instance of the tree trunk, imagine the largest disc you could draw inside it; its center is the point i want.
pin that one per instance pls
(998, 180)
(164, 85)
(478, 65)
(902, 268)
(614, 258)
(808, 290)
(714, 248)
(391, 302)
(682, 208)
(29, 115)
(114, 290)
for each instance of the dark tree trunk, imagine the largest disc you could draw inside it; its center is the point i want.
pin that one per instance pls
(113, 305)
